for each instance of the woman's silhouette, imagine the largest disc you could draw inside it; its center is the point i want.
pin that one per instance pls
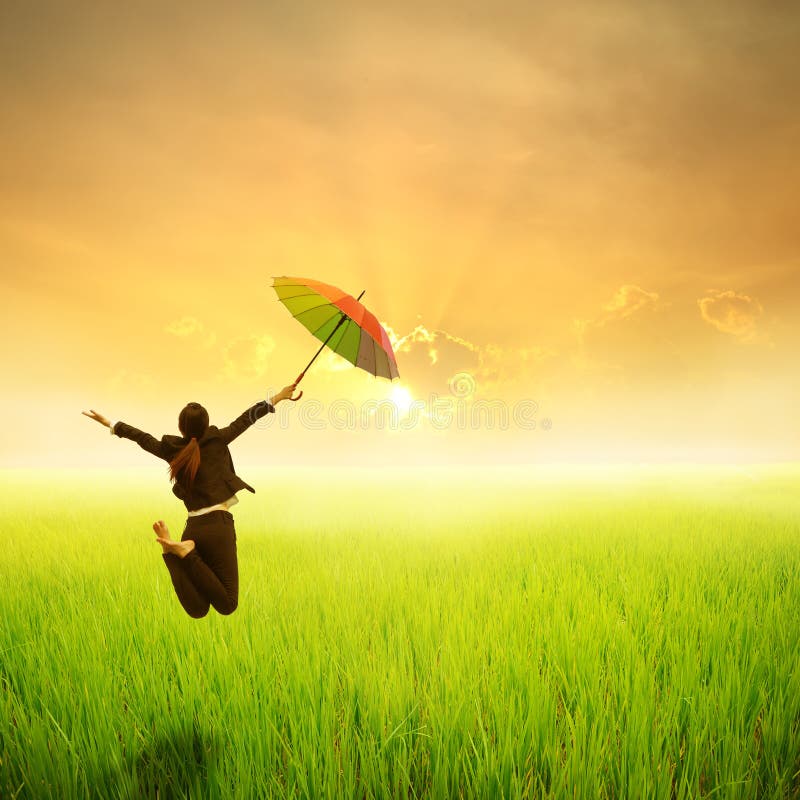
(203, 565)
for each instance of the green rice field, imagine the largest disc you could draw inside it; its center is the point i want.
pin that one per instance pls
(408, 633)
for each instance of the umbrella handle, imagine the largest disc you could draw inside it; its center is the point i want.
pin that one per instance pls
(296, 381)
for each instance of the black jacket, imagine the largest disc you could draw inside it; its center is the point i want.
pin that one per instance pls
(216, 479)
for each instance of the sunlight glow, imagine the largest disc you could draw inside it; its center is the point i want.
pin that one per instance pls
(401, 397)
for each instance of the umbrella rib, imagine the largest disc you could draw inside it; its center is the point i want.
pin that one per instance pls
(314, 330)
(312, 290)
(323, 302)
(383, 359)
(358, 330)
(334, 344)
(339, 310)
(307, 290)
(342, 326)
(295, 296)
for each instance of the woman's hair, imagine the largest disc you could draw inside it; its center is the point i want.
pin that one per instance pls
(192, 422)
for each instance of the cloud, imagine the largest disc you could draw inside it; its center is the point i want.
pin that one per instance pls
(185, 326)
(247, 356)
(188, 326)
(333, 362)
(430, 359)
(627, 301)
(129, 380)
(732, 313)
(500, 366)
(628, 341)
(421, 335)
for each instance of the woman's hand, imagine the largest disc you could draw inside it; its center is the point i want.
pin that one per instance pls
(286, 394)
(99, 417)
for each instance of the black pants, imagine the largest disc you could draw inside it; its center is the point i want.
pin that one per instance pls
(209, 575)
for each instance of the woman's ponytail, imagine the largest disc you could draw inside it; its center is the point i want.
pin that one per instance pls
(186, 463)
(193, 422)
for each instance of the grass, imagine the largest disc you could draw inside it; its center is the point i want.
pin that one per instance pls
(408, 634)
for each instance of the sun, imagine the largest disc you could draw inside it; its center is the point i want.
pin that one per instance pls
(401, 397)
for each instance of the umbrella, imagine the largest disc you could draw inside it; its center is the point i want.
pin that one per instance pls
(340, 321)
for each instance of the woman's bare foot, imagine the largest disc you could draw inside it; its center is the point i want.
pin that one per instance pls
(180, 549)
(162, 533)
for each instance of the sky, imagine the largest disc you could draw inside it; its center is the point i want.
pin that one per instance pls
(577, 221)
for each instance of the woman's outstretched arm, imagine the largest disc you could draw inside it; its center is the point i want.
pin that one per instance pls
(245, 420)
(145, 440)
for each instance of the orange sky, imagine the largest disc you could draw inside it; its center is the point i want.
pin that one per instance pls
(589, 206)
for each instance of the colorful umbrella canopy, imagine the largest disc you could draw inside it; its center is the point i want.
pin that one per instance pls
(339, 321)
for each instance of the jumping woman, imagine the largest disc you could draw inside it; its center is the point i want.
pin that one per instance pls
(203, 564)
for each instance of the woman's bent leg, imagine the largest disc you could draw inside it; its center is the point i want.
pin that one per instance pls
(213, 566)
(190, 598)
(218, 584)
